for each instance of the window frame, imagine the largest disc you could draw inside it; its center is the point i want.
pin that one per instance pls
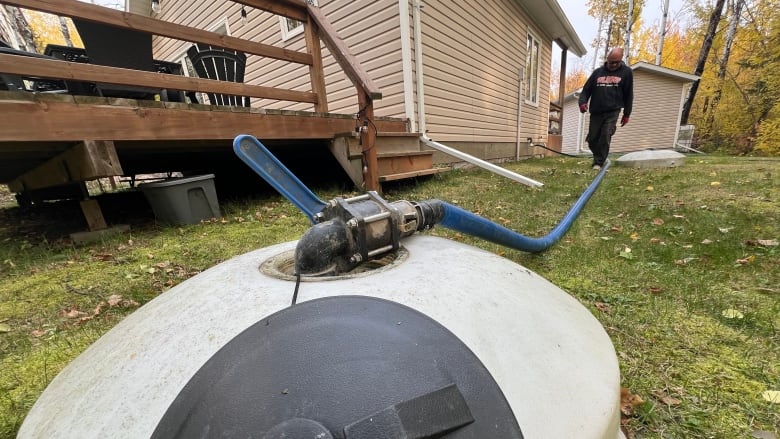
(532, 68)
(284, 25)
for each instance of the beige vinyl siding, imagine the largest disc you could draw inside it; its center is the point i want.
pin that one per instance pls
(200, 15)
(474, 52)
(369, 29)
(655, 115)
(570, 127)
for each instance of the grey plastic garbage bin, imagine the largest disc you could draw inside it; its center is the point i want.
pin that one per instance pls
(186, 200)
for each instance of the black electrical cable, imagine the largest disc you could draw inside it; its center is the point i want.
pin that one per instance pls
(297, 284)
(557, 152)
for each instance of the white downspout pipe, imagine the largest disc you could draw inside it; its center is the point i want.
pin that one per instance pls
(406, 62)
(479, 162)
(520, 87)
(418, 64)
(418, 55)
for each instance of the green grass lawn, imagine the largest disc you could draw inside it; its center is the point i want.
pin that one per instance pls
(681, 266)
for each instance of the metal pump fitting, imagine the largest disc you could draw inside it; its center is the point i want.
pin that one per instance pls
(353, 230)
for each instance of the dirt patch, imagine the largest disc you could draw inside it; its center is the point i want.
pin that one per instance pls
(56, 220)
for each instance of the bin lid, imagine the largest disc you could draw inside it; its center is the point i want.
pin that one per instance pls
(176, 181)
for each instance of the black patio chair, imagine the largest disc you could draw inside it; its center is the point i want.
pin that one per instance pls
(118, 47)
(212, 62)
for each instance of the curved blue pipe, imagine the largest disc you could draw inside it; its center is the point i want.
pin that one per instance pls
(463, 221)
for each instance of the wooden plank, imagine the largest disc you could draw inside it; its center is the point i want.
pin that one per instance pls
(87, 160)
(73, 8)
(51, 68)
(398, 164)
(92, 213)
(412, 174)
(286, 8)
(26, 121)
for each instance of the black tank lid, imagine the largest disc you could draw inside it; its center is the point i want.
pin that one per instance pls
(345, 367)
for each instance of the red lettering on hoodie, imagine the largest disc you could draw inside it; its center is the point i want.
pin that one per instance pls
(608, 81)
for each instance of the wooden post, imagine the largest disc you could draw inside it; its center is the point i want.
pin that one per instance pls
(93, 215)
(368, 142)
(316, 72)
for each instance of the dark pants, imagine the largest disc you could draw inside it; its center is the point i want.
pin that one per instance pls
(600, 130)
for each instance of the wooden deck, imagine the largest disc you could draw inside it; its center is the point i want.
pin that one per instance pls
(50, 140)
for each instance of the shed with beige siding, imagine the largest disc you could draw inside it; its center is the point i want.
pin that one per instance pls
(459, 72)
(659, 95)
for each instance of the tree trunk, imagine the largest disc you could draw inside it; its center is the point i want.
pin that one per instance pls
(22, 29)
(735, 11)
(662, 33)
(65, 31)
(717, 11)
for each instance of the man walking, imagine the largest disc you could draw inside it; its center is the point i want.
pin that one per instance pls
(609, 88)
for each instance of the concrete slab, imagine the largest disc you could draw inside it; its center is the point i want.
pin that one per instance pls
(652, 158)
(95, 235)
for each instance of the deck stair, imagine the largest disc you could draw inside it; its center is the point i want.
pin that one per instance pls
(399, 156)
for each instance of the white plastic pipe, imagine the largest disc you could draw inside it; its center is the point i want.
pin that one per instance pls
(479, 162)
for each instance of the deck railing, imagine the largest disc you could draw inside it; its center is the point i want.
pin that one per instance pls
(317, 29)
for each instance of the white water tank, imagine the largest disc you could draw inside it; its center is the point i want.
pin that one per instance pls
(551, 359)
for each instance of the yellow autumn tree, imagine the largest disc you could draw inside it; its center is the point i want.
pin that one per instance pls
(51, 29)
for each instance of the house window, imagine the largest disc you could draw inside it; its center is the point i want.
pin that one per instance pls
(532, 70)
(291, 27)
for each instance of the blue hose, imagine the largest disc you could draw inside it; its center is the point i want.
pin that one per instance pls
(463, 221)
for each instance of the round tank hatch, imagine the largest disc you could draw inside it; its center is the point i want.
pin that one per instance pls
(352, 367)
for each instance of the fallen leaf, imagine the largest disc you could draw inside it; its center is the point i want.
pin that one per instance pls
(72, 313)
(38, 333)
(149, 256)
(666, 399)
(732, 314)
(629, 401)
(5, 327)
(616, 229)
(655, 289)
(649, 188)
(678, 216)
(715, 184)
(771, 396)
(746, 260)
(725, 229)
(114, 300)
(706, 241)
(768, 242)
(655, 241)
(601, 306)
(658, 221)
(634, 236)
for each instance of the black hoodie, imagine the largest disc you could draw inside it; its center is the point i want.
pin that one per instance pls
(609, 91)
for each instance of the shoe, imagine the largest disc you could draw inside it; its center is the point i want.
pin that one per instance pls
(596, 167)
